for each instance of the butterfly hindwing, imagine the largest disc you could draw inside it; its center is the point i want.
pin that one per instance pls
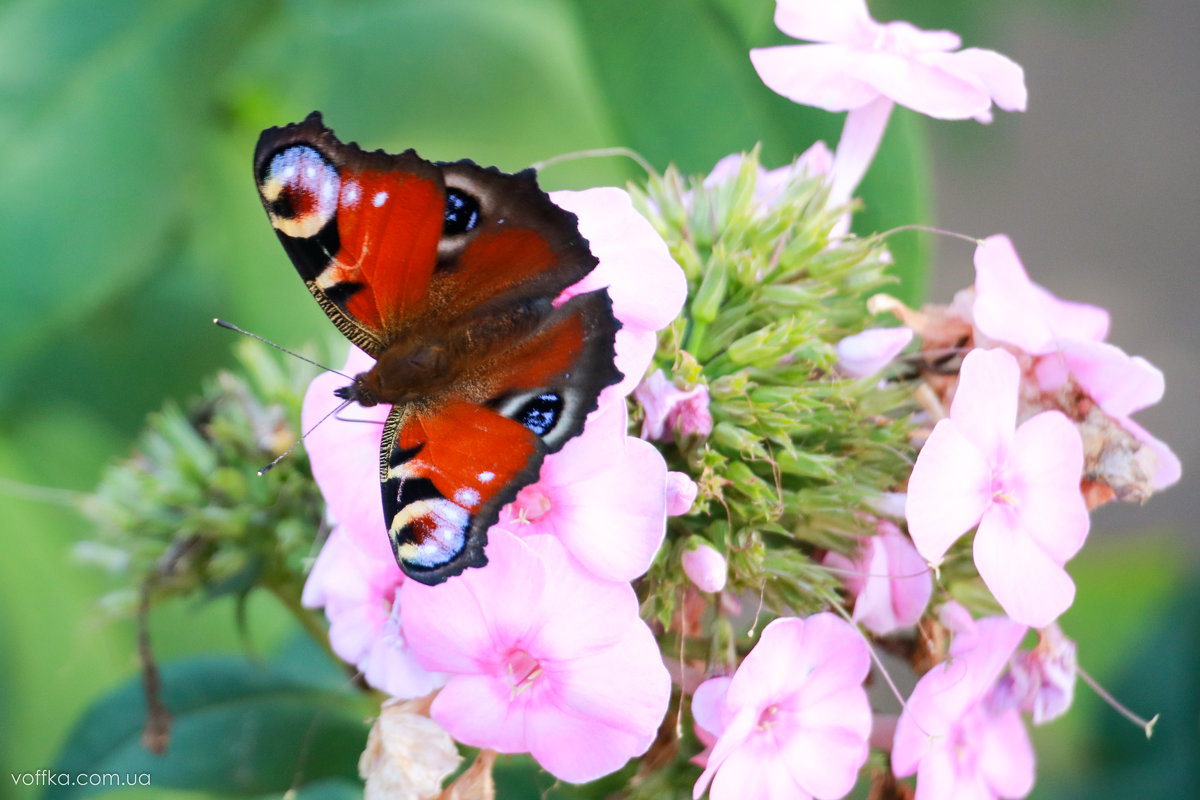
(446, 474)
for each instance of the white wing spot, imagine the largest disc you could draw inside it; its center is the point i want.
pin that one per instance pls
(379, 199)
(350, 194)
(467, 497)
(486, 477)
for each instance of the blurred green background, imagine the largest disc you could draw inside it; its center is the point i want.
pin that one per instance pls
(128, 219)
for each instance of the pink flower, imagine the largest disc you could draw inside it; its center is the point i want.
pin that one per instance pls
(1040, 681)
(544, 658)
(1019, 485)
(1068, 340)
(864, 67)
(357, 581)
(604, 496)
(949, 736)
(704, 566)
(863, 354)
(769, 185)
(888, 580)
(793, 721)
(669, 408)
(647, 287)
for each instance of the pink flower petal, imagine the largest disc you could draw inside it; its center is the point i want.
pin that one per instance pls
(1003, 77)
(1030, 586)
(681, 493)
(647, 287)
(704, 566)
(922, 84)
(948, 492)
(1119, 383)
(1169, 469)
(708, 704)
(1048, 455)
(477, 711)
(866, 353)
(1011, 308)
(814, 74)
(985, 404)
(345, 452)
(1006, 758)
(822, 21)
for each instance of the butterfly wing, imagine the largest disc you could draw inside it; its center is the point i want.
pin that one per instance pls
(446, 473)
(362, 229)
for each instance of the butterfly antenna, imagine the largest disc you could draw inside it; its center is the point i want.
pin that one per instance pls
(303, 436)
(230, 326)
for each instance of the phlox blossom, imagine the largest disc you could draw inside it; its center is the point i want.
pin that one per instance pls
(1020, 485)
(1040, 681)
(1066, 341)
(793, 721)
(950, 736)
(888, 580)
(604, 495)
(769, 185)
(357, 582)
(864, 67)
(543, 658)
(668, 408)
(646, 285)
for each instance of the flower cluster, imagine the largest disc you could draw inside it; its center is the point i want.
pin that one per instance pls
(789, 421)
(773, 454)
(542, 652)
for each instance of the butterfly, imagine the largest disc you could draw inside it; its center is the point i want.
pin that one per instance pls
(447, 274)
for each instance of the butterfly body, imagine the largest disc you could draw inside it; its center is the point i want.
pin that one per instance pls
(448, 275)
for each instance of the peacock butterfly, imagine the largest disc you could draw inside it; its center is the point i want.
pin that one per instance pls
(446, 274)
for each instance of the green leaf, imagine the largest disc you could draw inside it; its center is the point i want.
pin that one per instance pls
(237, 728)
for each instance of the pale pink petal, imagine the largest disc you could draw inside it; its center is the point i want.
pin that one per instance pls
(1119, 383)
(861, 134)
(1003, 77)
(589, 613)
(814, 74)
(755, 770)
(1169, 469)
(898, 584)
(1046, 466)
(985, 404)
(823, 21)
(478, 711)
(920, 84)
(469, 600)
(940, 779)
(391, 666)
(577, 750)
(863, 354)
(617, 525)
(1011, 308)
(825, 761)
(948, 491)
(708, 704)
(344, 453)
(625, 686)
(1030, 586)
(738, 729)
(1006, 758)
(646, 285)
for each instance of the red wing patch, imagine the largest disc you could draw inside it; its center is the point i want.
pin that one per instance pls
(445, 478)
